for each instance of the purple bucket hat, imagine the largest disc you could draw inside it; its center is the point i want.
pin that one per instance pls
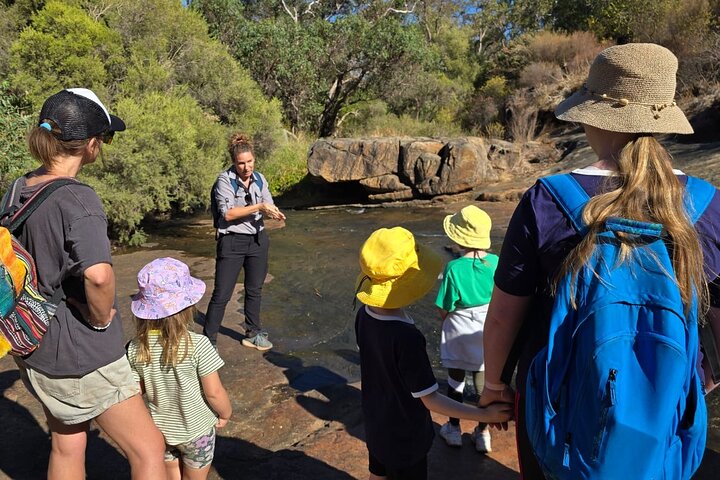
(166, 288)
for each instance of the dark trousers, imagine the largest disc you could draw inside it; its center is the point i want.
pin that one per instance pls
(417, 471)
(237, 252)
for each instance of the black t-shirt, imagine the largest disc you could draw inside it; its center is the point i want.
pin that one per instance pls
(66, 235)
(396, 373)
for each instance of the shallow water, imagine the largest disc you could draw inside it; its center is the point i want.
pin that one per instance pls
(307, 308)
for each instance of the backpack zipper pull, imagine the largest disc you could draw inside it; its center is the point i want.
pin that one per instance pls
(566, 453)
(611, 386)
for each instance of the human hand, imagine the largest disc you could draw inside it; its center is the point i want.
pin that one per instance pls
(271, 211)
(87, 315)
(221, 422)
(497, 412)
(506, 396)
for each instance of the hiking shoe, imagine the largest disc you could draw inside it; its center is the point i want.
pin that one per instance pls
(258, 341)
(482, 440)
(451, 434)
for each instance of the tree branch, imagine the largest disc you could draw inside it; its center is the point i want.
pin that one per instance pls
(402, 12)
(287, 9)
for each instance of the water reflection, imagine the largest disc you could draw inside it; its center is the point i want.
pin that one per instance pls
(313, 259)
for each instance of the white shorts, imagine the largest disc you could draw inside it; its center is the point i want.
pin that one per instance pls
(461, 344)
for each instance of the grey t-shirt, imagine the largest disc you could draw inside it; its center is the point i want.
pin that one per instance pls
(66, 235)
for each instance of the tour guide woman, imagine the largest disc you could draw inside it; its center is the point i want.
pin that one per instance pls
(241, 198)
(80, 372)
(627, 97)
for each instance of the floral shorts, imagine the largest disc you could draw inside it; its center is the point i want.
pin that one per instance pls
(197, 453)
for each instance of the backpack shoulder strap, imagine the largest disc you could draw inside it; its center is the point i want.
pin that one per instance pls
(27, 209)
(698, 195)
(258, 180)
(570, 196)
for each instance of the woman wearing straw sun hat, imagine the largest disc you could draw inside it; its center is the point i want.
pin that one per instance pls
(627, 98)
(463, 300)
(398, 384)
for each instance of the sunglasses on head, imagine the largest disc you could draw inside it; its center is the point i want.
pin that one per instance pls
(107, 137)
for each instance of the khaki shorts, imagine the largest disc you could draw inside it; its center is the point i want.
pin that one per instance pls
(75, 400)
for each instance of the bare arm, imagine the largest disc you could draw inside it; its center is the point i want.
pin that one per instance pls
(498, 412)
(99, 282)
(217, 397)
(502, 324)
(268, 209)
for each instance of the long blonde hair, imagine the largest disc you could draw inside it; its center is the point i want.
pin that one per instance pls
(648, 191)
(174, 335)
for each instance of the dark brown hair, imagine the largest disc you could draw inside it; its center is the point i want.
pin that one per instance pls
(238, 144)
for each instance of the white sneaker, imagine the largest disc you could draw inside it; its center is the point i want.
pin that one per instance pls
(482, 440)
(451, 434)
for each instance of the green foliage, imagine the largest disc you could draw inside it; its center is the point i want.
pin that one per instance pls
(156, 65)
(287, 165)
(63, 47)
(157, 165)
(14, 124)
(11, 23)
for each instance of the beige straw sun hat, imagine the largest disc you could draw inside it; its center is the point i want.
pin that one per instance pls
(630, 89)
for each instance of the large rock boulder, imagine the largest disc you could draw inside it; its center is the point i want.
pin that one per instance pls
(345, 159)
(391, 169)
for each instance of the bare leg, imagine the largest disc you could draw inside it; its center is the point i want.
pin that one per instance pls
(67, 455)
(173, 470)
(129, 424)
(195, 473)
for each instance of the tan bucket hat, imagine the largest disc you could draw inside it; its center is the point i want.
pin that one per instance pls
(469, 228)
(630, 89)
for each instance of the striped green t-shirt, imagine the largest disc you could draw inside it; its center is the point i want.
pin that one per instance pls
(174, 395)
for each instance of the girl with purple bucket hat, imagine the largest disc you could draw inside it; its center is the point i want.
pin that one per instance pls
(177, 369)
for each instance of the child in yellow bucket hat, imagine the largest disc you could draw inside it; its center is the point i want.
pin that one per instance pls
(398, 386)
(463, 300)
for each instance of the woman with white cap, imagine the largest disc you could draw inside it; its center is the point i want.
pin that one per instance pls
(79, 372)
(626, 100)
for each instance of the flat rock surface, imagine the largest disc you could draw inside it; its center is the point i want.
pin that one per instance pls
(277, 431)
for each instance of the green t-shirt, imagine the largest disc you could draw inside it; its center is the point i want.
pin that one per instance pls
(174, 395)
(467, 282)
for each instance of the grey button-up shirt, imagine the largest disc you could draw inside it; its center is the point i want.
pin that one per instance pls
(226, 198)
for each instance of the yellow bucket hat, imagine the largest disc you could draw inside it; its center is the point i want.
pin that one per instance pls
(470, 228)
(395, 270)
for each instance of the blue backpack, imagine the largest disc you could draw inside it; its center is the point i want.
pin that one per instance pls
(616, 392)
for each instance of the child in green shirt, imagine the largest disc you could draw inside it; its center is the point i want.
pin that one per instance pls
(463, 299)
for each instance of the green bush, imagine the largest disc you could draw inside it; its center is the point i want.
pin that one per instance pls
(286, 165)
(167, 159)
(14, 124)
(63, 47)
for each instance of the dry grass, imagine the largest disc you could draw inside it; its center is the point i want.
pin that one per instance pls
(571, 52)
(540, 73)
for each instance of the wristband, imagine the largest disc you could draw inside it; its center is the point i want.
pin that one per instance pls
(495, 387)
(99, 329)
